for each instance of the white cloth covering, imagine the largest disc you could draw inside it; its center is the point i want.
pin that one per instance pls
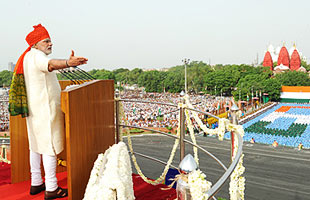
(45, 123)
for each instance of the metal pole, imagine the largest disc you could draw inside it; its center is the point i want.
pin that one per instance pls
(185, 79)
(182, 132)
(260, 98)
(252, 97)
(215, 91)
(186, 61)
(117, 134)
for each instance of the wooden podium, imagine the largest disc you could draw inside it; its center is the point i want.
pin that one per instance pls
(89, 130)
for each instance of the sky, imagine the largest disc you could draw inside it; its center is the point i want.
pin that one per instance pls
(156, 34)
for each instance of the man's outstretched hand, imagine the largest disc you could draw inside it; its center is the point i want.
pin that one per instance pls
(76, 61)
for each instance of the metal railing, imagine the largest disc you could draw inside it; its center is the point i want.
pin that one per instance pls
(228, 171)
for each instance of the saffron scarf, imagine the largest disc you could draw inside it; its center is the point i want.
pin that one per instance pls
(18, 95)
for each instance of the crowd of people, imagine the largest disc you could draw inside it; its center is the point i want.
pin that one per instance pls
(146, 114)
(4, 113)
(160, 116)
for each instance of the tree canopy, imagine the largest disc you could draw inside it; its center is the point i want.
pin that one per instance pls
(5, 78)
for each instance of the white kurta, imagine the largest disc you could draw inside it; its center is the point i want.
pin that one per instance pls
(45, 123)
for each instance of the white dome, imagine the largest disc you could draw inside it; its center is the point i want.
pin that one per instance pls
(271, 49)
(274, 57)
(290, 52)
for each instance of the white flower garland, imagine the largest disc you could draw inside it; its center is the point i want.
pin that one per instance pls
(134, 160)
(237, 182)
(191, 131)
(220, 131)
(198, 185)
(111, 176)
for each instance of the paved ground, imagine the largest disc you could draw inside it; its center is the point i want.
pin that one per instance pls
(271, 173)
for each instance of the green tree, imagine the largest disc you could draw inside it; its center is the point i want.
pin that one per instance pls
(152, 81)
(133, 75)
(272, 86)
(102, 74)
(5, 78)
(252, 82)
(305, 65)
(293, 78)
(174, 81)
(195, 75)
(121, 75)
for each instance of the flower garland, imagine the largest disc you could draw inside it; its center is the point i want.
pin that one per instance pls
(198, 185)
(134, 160)
(237, 181)
(191, 131)
(220, 131)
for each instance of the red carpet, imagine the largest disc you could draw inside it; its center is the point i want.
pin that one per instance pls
(20, 191)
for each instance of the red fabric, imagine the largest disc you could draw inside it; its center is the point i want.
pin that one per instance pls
(145, 191)
(295, 61)
(5, 173)
(39, 33)
(268, 61)
(284, 57)
(20, 191)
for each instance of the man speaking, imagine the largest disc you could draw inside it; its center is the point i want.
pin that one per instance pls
(35, 94)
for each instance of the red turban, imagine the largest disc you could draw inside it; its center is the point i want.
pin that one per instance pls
(39, 33)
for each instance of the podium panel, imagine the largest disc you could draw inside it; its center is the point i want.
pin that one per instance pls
(90, 129)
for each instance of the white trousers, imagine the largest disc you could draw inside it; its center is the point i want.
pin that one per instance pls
(49, 163)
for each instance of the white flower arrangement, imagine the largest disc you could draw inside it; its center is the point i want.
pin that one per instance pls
(198, 185)
(111, 176)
